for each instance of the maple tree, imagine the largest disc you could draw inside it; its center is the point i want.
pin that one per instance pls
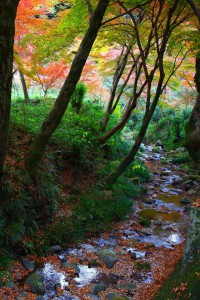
(53, 119)
(155, 77)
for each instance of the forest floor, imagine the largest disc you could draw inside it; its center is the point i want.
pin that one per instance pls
(132, 260)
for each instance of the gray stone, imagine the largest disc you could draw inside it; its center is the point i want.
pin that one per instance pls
(127, 286)
(55, 249)
(65, 264)
(132, 255)
(6, 279)
(186, 201)
(92, 297)
(36, 283)
(39, 298)
(192, 192)
(96, 289)
(27, 264)
(159, 143)
(150, 201)
(108, 260)
(114, 296)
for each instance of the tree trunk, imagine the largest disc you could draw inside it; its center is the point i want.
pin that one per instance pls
(24, 86)
(55, 116)
(192, 142)
(8, 10)
(120, 125)
(121, 64)
(112, 177)
(192, 244)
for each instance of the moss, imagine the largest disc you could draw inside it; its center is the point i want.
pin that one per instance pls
(182, 284)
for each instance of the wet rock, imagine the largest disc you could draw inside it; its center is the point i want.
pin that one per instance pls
(96, 289)
(108, 260)
(132, 255)
(164, 161)
(157, 149)
(27, 264)
(159, 143)
(22, 296)
(66, 264)
(6, 279)
(158, 222)
(92, 297)
(93, 263)
(186, 201)
(39, 298)
(180, 150)
(150, 201)
(114, 296)
(147, 231)
(145, 223)
(192, 192)
(36, 283)
(55, 249)
(127, 286)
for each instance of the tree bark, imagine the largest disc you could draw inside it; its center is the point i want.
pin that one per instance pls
(112, 177)
(24, 86)
(8, 10)
(55, 116)
(192, 142)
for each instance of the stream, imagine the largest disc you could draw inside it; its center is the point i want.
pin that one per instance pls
(131, 259)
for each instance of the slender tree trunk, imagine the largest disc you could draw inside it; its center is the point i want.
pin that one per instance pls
(55, 116)
(112, 177)
(8, 10)
(24, 86)
(119, 126)
(121, 64)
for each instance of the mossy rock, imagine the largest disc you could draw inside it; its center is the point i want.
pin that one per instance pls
(114, 296)
(36, 283)
(6, 279)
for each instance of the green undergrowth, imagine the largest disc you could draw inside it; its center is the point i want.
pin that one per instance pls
(29, 211)
(167, 124)
(182, 284)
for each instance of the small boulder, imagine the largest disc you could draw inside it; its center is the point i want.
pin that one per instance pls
(186, 201)
(96, 289)
(108, 260)
(27, 264)
(55, 249)
(92, 297)
(36, 283)
(159, 143)
(6, 279)
(114, 296)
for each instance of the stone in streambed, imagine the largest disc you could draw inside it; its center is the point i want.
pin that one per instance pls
(192, 192)
(6, 280)
(55, 249)
(159, 143)
(150, 201)
(96, 289)
(114, 296)
(108, 260)
(27, 264)
(127, 286)
(92, 297)
(186, 201)
(36, 283)
(65, 264)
